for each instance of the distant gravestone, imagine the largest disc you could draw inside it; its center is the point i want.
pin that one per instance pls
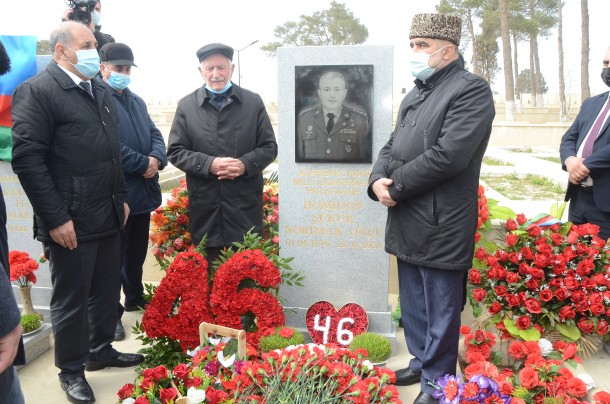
(20, 237)
(327, 222)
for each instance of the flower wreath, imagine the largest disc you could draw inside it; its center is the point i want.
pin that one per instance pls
(231, 301)
(186, 281)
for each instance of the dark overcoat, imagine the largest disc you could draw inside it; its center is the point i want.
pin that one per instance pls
(434, 158)
(223, 209)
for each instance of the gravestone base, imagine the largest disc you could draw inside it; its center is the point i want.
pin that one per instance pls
(37, 344)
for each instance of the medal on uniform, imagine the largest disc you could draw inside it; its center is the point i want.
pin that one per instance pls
(348, 148)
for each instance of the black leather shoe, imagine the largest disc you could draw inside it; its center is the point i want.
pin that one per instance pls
(119, 333)
(122, 360)
(425, 398)
(137, 306)
(406, 377)
(78, 390)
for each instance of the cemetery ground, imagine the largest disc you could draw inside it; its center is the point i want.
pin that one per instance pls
(39, 378)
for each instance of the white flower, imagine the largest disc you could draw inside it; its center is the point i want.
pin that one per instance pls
(195, 396)
(128, 401)
(367, 364)
(214, 341)
(193, 352)
(226, 362)
(587, 379)
(546, 346)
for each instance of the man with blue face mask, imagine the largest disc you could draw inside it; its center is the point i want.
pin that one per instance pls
(427, 175)
(143, 151)
(222, 138)
(67, 155)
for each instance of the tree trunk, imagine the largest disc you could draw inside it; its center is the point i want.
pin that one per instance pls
(475, 55)
(539, 99)
(509, 83)
(518, 105)
(532, 77)
(533, 67)
(585, 91)
(562, 85)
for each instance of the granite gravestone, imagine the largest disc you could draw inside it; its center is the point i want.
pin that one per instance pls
(20, 237)
(328, 223)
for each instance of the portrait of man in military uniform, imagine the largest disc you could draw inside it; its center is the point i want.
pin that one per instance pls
(332, 125)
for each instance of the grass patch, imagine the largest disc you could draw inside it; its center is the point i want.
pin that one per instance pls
(528, 187)
(520, 149)
(551, 159)
(492, 161)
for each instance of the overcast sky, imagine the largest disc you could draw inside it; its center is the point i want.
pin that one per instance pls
(165, 35)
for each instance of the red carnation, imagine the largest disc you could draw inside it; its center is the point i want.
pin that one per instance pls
(524, 323)
(602, 327)
(533, 306)
(586, 326)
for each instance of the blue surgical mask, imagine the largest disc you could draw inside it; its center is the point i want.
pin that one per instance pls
(88, 62)
(229, 84)
(420, 67)
(97, 18)
(119, 81)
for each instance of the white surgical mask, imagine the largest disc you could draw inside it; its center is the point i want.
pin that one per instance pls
(420, 67)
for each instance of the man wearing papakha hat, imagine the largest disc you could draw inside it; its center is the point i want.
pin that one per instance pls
(222, 138)
(427, 175)
(143, 154)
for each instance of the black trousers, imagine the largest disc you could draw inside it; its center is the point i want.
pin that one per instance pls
(86, 289)
(135, 247)
(584, 210)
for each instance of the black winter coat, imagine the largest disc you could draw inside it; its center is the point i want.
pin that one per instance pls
(140, 138)
(67, 155)
(434, 158)
(223, 209)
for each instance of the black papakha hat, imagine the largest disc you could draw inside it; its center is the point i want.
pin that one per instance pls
(211, 48)
(437, 26)
(118, 54)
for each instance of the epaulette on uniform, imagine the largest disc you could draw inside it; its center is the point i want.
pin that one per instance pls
(309, 109)
(357, 110)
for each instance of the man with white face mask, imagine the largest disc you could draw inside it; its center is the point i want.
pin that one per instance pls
(222, 138)
(67, 155)
(427, 175)
(143, 151)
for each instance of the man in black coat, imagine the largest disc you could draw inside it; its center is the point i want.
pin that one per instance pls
(585, 153)
(222, 139)
(143, 151)
(428, 175)
(67, 155)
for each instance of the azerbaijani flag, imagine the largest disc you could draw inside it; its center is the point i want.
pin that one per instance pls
(22, 52)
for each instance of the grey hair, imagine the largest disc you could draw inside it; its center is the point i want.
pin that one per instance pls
(332, 75)
(62, 34)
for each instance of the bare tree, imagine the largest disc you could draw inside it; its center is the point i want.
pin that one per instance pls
(585, 91)
(509, 86)
(562, 85)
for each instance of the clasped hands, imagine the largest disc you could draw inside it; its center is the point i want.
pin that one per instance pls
(380, 188)
(227, 168)
(153, 167)
(577, 171)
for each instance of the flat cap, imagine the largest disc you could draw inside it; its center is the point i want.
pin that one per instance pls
(211, 48)
(437, 26)
(118, 54)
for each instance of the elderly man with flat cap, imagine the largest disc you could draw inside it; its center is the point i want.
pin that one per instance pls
(427, 175)
(222, 138)
(143, 153)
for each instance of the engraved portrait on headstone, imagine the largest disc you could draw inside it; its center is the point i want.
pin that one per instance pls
(333, 107)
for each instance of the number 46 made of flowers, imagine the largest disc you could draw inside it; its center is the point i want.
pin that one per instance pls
(327, 325)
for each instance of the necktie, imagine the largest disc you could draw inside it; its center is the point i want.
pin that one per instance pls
(588, 147)
(87, 87)
(331, 122)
